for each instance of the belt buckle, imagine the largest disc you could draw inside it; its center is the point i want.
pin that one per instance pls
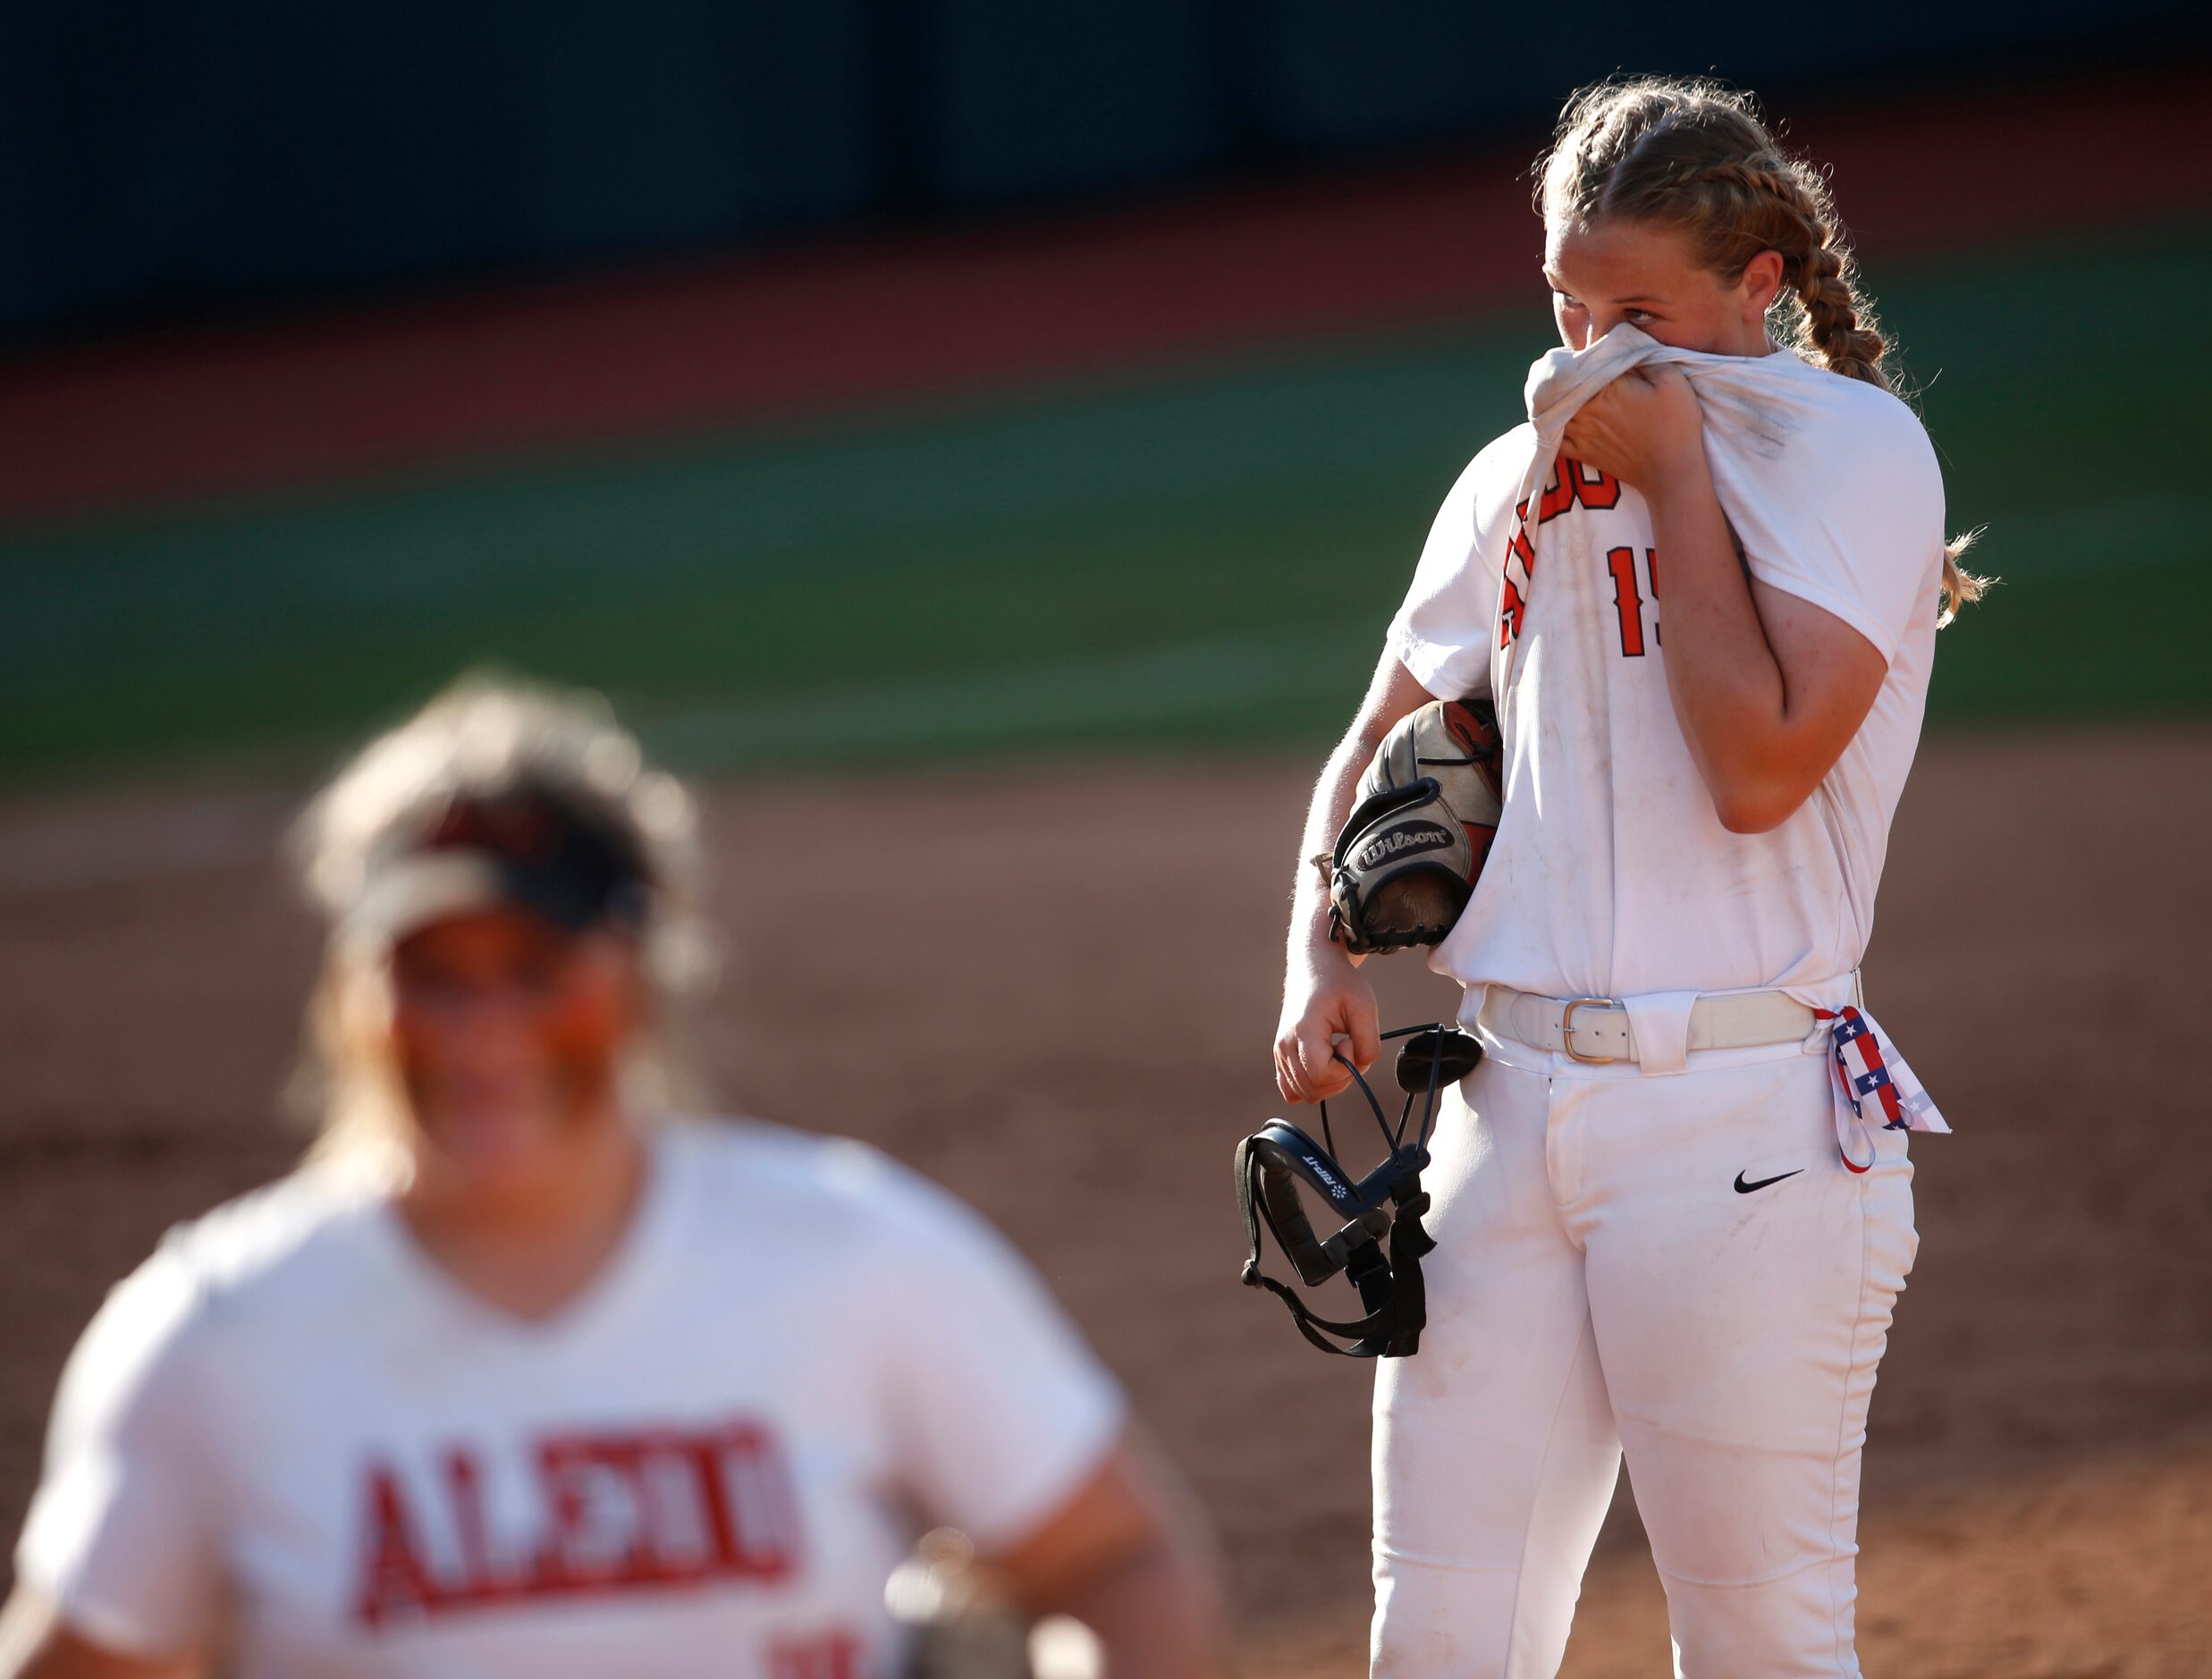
(1566, 1031)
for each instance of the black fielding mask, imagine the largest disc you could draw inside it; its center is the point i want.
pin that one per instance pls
(1279, 1166)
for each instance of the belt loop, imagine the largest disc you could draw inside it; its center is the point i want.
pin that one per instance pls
(1660, 1023)
(1474, 1006)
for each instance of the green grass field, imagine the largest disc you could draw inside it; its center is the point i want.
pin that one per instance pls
(1198, 557)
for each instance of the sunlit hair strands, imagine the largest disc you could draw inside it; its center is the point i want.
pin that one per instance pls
(1693, 155)
(487, 736)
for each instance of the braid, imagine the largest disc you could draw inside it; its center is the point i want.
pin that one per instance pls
(1836, 326)
(1694, 156)
(1842, 329)
(1832, 317)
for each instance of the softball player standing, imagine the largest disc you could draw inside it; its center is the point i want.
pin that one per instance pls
(1673, 1206)
(515, 1378)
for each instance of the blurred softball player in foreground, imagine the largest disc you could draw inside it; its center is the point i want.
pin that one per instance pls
(1672, 1207)
(526, 1372)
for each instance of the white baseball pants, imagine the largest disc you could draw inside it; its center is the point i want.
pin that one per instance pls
(1605, 1282)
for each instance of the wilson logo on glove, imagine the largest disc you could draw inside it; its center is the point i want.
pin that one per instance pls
(1398, 841)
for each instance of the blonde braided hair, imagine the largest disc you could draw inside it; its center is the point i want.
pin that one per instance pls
(1694, 155)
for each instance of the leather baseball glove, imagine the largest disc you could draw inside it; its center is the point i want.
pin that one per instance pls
(1407, 859)
(962, 1623)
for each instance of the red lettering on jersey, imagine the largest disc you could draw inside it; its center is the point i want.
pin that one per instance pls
(586, 1536)
(1628, 603)
(1571, 485)
(704, 1459)
(464, 1495)
(1559, 494)
(1627, 600)
(825, 1656)
(395, 1580)
(765, 1513)
(638, 1510)
(1509, 614)
(1595, 490)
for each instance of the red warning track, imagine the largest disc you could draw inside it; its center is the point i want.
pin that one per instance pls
(835, 330)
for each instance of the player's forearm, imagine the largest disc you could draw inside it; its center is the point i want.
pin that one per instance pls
(1391, 694)
(1729, 692)
(1157, 1617)
(1309, 943)
(34, 1644)
(1129, 1557)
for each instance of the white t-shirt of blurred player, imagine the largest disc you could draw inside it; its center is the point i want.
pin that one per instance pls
(290, 1431)
(1611, 874)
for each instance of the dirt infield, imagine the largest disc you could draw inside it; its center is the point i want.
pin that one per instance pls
(2039, 1486)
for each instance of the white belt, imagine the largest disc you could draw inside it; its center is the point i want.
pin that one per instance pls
(1596, 1029)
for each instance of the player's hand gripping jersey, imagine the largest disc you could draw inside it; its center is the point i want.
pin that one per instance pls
(1610, 874)
(708, 1463)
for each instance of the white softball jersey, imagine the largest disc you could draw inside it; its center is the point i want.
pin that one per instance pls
(1611, 875)
(288, 1434)
(1692, 1255)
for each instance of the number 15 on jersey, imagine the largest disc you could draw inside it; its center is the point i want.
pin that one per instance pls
(1628, 599)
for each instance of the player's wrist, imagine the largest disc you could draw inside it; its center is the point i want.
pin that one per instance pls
(1318, 958)
(1309, 912)
(1679, 474)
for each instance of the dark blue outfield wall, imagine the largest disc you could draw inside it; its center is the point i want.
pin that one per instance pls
(167, 157)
